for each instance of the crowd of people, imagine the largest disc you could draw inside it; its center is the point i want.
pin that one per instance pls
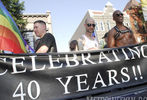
(118, 36)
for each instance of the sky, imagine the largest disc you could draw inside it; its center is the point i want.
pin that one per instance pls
(67, 15)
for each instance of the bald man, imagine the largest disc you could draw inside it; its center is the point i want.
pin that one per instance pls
(88, 41)
(120, 35)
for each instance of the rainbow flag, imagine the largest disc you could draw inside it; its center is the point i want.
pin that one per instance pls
(10, 36)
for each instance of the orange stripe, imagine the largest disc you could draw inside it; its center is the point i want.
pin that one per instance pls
(9, 40)
(5, 22)
(5, 32)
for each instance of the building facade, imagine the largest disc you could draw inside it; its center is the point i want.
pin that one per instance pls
(29, 35)
(104, 22)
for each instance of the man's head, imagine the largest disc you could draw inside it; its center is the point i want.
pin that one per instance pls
(73, 45)
(90, 25)
(105, 37)
(118, 16)
(39, 28)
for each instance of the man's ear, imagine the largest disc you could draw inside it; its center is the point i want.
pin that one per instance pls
(44, 27)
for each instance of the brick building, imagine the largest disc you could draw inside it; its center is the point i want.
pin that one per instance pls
(138, 25)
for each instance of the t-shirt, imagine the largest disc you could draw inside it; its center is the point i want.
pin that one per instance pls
(48, 40)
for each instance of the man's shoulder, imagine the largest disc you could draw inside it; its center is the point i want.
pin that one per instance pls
(49, 35)
(112, 31)
(82, 37)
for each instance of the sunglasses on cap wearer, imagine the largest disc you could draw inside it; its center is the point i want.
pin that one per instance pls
(91, 25)
(120, 14)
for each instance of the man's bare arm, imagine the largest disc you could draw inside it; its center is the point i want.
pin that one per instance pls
(42, 49)
(111, 39)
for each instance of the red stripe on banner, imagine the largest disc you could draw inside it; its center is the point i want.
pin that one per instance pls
(8, 41)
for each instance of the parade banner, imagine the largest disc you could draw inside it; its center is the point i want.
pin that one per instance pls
(63, 76)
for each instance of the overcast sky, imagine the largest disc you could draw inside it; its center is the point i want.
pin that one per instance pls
(67, 15)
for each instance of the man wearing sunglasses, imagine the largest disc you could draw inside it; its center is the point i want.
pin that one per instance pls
(89, 41)
(120, 35)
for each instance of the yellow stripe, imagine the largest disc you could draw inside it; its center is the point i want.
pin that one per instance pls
(144, 3)
(6, 23)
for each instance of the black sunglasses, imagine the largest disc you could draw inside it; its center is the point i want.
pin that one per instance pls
(91, 25)
(119, 14)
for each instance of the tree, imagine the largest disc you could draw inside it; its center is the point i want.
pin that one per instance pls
(15, 8)
(137, 13)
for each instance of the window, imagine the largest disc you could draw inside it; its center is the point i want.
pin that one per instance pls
(108, 25)
(102, 26)
(96, 27)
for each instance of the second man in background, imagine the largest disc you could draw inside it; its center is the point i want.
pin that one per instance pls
(88, 41)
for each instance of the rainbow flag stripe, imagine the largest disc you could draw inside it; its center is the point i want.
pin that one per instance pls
(10, 36)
